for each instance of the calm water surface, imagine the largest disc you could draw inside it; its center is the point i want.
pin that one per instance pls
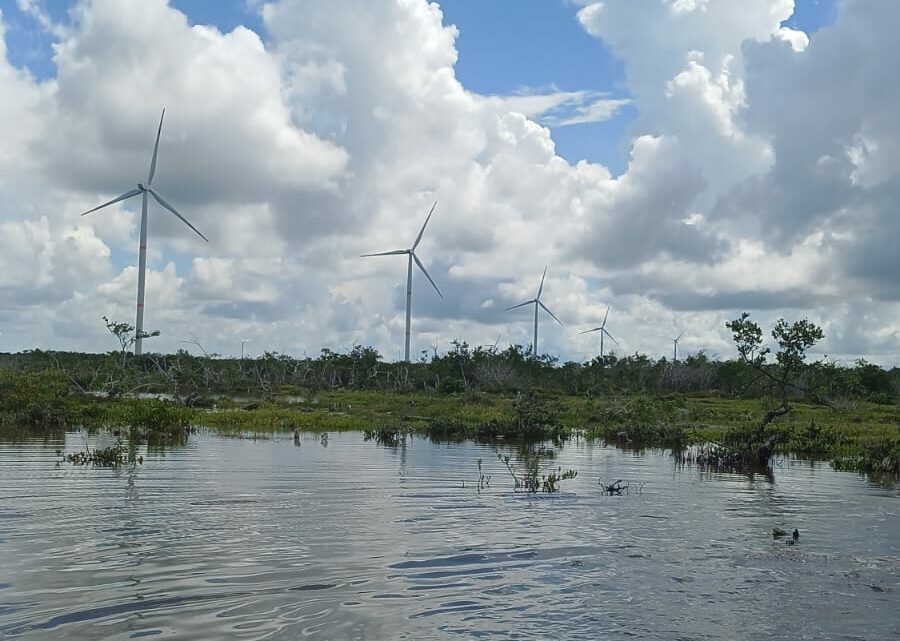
(242, 539)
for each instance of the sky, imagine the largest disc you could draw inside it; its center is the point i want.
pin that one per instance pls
(679, 161)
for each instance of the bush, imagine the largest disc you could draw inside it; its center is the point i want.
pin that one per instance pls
(154, 416)
(35, 397)
(451, 385)
(536, 413)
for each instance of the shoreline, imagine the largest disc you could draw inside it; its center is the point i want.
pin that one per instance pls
(861, 436)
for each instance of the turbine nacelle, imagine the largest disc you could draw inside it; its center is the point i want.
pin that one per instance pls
(143, 189)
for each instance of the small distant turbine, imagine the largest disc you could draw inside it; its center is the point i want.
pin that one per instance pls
(143, 190)
(537, 303)
(603, 331)
(675, 341)
(411, 253)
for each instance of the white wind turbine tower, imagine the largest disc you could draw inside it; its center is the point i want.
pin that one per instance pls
(411, 253)
(675, 342)
(143, 190)
(537, 303)
(603, 331)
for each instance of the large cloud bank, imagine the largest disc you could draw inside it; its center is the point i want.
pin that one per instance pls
(761, 175)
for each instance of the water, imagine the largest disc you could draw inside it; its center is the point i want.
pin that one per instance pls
(242, 539)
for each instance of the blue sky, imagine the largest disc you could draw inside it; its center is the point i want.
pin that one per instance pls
(505, 47)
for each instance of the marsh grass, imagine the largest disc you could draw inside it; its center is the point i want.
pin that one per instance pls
(390, 437)
(862, 436)
(854, 434)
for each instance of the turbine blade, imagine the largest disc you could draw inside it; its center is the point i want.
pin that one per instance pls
(162, 202)
(588, 331)
(527, 302)
(396, 252)
(155, 150)
(541, 288)
(605, 316)
(128, 194)
(679, 336)
(546, 309)
(611, 337)
(425, 224)
(425, 271)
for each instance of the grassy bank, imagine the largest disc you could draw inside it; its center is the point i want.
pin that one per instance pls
(855, 434)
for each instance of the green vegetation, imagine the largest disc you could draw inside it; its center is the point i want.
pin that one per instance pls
(534, 476)
(849, 414)
(756, 447)
(126, 335)
(114, 456)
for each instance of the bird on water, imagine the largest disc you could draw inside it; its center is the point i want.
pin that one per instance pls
(777, 533)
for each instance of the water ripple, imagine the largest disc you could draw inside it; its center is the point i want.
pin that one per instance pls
(228, 538)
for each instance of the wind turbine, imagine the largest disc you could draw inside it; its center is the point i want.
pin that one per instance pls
(143, 190)
(411, 253)
(537, 303)
(675, 341)
(603, 331)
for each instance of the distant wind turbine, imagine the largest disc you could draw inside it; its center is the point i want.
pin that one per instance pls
(675, 341)
(143, 190)
(537, 303)
(603, 331)
(492, 346)
(411, 253)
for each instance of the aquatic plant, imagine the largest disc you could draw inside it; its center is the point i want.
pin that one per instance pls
(550, 482)
(713, 456)
(483, 480)
(878, 457)
(534, 478)
(114, 456)
(614, 488)
(384, 436)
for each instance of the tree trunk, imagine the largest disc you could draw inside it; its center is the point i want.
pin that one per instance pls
(766, 450)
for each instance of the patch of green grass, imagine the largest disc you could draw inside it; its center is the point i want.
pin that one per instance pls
(275, 419)
(856, 435)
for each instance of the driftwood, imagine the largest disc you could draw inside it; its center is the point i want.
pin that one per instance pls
(616, 488)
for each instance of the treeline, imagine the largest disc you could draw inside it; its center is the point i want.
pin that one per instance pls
(194, 378)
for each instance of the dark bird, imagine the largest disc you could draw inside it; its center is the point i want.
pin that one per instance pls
(777, 533)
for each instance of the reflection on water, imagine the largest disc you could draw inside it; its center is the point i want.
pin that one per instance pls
(251, 539)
